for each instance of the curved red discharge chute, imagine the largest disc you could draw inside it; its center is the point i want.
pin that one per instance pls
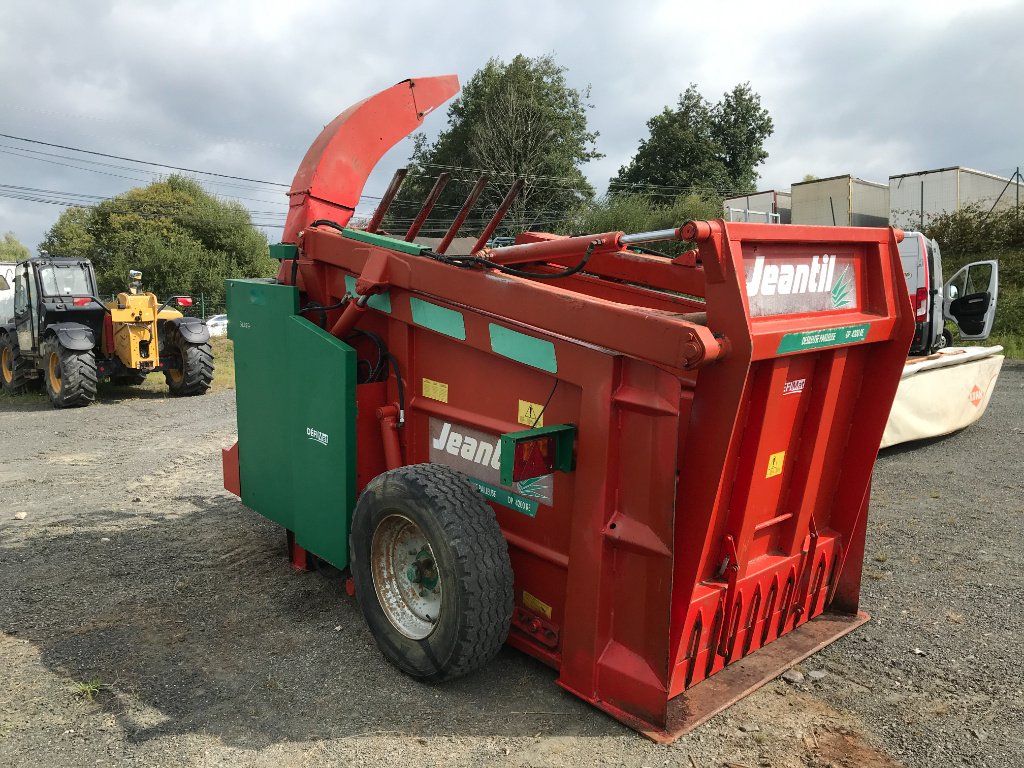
(331, 177)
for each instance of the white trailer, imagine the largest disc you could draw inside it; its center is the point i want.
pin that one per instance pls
(771, 206)
(843, 201)
(914, 198)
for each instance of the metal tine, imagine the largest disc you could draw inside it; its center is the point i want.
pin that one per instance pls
(385, 202)
(428, 206)
(467, 206)
(499, 214)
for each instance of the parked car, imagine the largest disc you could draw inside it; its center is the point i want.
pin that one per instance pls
(218, 325)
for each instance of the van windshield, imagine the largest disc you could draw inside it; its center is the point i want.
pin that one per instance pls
(65, 280)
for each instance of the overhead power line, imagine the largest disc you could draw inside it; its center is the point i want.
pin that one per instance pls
(143, 162)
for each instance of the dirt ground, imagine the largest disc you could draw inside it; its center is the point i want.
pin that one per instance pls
(148, 619)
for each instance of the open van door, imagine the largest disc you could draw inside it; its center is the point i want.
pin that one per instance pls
(969, 299)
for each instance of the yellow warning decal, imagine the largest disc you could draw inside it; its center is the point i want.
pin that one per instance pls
(535, 605)
(531, 414)
(435, 390)
(775, 462)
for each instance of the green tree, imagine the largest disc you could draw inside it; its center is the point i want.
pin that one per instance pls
(11, 249)
(514, 120)
(181, 238)
(701, 146)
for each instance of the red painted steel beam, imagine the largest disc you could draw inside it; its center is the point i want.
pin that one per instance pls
(334, 171)
(467, 206)
(499, 214)
(387, 199)
(659, 337)
(428, 206)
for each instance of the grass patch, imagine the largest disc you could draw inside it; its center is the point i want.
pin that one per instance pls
(223, 363)
(88, 690)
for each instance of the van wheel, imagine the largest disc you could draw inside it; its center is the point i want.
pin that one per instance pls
(431, 571)
(945, 340)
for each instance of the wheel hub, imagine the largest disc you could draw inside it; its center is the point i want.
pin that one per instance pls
(54, 372)
(405, 576)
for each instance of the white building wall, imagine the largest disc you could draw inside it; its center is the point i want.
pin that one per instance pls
(869, 204)
(943, 191)
(759, 205)
(815, 201)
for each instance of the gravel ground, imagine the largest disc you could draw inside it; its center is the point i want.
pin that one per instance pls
(148, 619)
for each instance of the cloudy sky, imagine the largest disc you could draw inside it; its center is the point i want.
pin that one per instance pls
(242, 87)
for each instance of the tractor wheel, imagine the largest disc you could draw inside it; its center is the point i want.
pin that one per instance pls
(431, 571)
(129, 379)
(196, 360)
(13, 367)
(70, 375)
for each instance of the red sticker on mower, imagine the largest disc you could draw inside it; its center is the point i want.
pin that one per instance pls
(976, 396)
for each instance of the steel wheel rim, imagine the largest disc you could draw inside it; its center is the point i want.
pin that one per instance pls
(5, 365)
(53, 371)
(405, 576)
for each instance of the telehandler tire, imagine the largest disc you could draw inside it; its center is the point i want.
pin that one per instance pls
(196, 372)
(13, 367)
(431, 571)
(70, 374)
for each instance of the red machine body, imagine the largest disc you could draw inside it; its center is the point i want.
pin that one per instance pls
(711, 533)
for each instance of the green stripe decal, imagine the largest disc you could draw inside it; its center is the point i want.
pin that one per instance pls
(378, 301)
(826, 337)
(372, 238)
(524, 349)
(281, 251)
(506, 498)
(440, 319)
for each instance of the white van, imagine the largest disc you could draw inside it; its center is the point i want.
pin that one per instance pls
(6, 291)
(967, 299)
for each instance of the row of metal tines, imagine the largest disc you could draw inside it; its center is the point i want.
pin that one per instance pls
(428, 205)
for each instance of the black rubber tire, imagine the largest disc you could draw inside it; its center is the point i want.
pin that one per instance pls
(472, 562)
(129, 379)
(70, 375)
(196, 372)
(946, 340)
(14, 369)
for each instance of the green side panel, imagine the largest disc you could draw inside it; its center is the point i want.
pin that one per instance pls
(378, 301)
(321, 438)
(283, 251)
(384, 241)
(258, 311)
(437, 318)
(525, 349)
(826, 337)
(295, 398)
